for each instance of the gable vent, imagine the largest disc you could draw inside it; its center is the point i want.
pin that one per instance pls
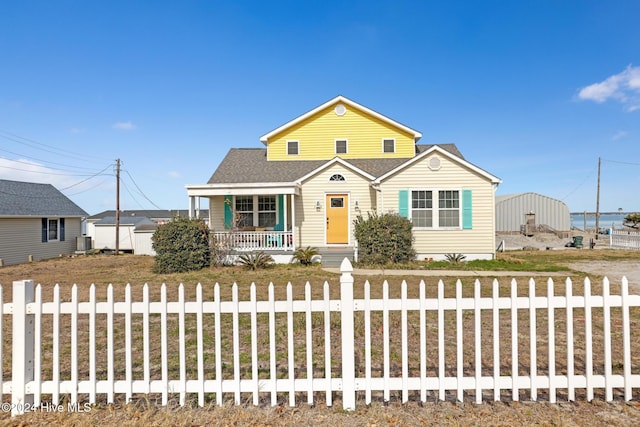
(340, 110)
(434, 163)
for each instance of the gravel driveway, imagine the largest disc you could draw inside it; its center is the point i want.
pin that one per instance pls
(614, 270)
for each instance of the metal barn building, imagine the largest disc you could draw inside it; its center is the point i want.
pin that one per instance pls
(530, 212)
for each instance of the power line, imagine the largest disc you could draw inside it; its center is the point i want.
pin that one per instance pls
(141, 192)
(47, 172)
(126, 187)
(87, 189)
(49, 148)
(621, 163)
(87, 179)
(40, 160)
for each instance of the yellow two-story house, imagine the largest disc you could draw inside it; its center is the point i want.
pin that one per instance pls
(321, 170)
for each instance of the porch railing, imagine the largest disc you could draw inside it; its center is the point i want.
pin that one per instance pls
(255, 240)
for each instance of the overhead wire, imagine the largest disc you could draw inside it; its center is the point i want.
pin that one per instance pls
(49, 148)
(140, 191)
(87, 179)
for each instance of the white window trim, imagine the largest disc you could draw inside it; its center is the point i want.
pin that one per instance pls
(256, 209)
(297, 145)
(394, 145)
(57, 239)
(256, 213)
(346, 145)
(435, 218)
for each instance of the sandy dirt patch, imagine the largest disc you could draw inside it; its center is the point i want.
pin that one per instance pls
(613, 270)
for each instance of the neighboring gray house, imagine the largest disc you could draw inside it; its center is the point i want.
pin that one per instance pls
(528, 213)
(38, 221)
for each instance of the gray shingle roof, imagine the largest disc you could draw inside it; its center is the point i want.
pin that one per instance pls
(19, 198)
(250, 165)
(136, 221)
(149, 213)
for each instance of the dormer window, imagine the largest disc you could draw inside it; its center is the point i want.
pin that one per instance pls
(341, 146)
(337, 177)
(292, 148)
(388, 145)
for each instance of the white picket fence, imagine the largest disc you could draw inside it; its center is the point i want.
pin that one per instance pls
(621, 239)
(264, 380)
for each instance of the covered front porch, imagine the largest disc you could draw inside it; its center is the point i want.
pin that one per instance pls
(249, 217)
(258, 240)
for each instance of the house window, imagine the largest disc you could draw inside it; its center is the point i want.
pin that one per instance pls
(52, 230)
(244, 211)
(341, 146)
(292, 148)
(388, 145)
(422, 208)
(337, 202)
(337, 177)
(449, 208)
(266, 211)
(425, 214)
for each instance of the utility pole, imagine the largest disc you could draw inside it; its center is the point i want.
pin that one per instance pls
(598, 202)
(117, 206)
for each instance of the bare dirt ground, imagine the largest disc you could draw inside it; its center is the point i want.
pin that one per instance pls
(613, 270)
(102, 270)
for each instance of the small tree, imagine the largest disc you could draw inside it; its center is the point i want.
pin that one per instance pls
(384, 239)
(181, 245)
(632, 220)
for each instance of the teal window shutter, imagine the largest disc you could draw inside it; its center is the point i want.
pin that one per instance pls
(228, 212)
(281, 212)
(403, 203)
(467, 210)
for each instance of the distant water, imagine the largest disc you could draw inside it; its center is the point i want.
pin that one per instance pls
(606, 221)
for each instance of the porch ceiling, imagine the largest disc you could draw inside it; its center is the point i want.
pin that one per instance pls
(206, 190)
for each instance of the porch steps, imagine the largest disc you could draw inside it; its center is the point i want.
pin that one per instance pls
(332, 257)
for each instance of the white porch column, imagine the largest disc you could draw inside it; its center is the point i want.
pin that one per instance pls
(192, 207)
(294, 241)
(197, 207)
(285, 216)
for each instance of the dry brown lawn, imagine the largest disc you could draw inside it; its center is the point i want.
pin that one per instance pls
(102, 270)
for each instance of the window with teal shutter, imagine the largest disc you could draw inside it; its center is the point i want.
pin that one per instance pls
(467, 211)
(228, 212)
(403, 203)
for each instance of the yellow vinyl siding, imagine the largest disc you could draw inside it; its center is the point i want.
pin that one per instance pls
(451, 176)
(216, 213)
(317, 135)
(310, 222)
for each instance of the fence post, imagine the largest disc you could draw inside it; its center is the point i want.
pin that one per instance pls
(348, 352)
(23, 347)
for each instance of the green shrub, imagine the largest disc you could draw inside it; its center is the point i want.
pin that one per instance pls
(255, 260)
(305, 255)
(384, 239)
(181, 245)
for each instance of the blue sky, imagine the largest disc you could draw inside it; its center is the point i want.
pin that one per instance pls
(531, 91)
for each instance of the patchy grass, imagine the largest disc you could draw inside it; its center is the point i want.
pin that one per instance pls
(120, 270)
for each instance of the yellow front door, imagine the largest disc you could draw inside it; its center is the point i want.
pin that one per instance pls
(337, 218)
